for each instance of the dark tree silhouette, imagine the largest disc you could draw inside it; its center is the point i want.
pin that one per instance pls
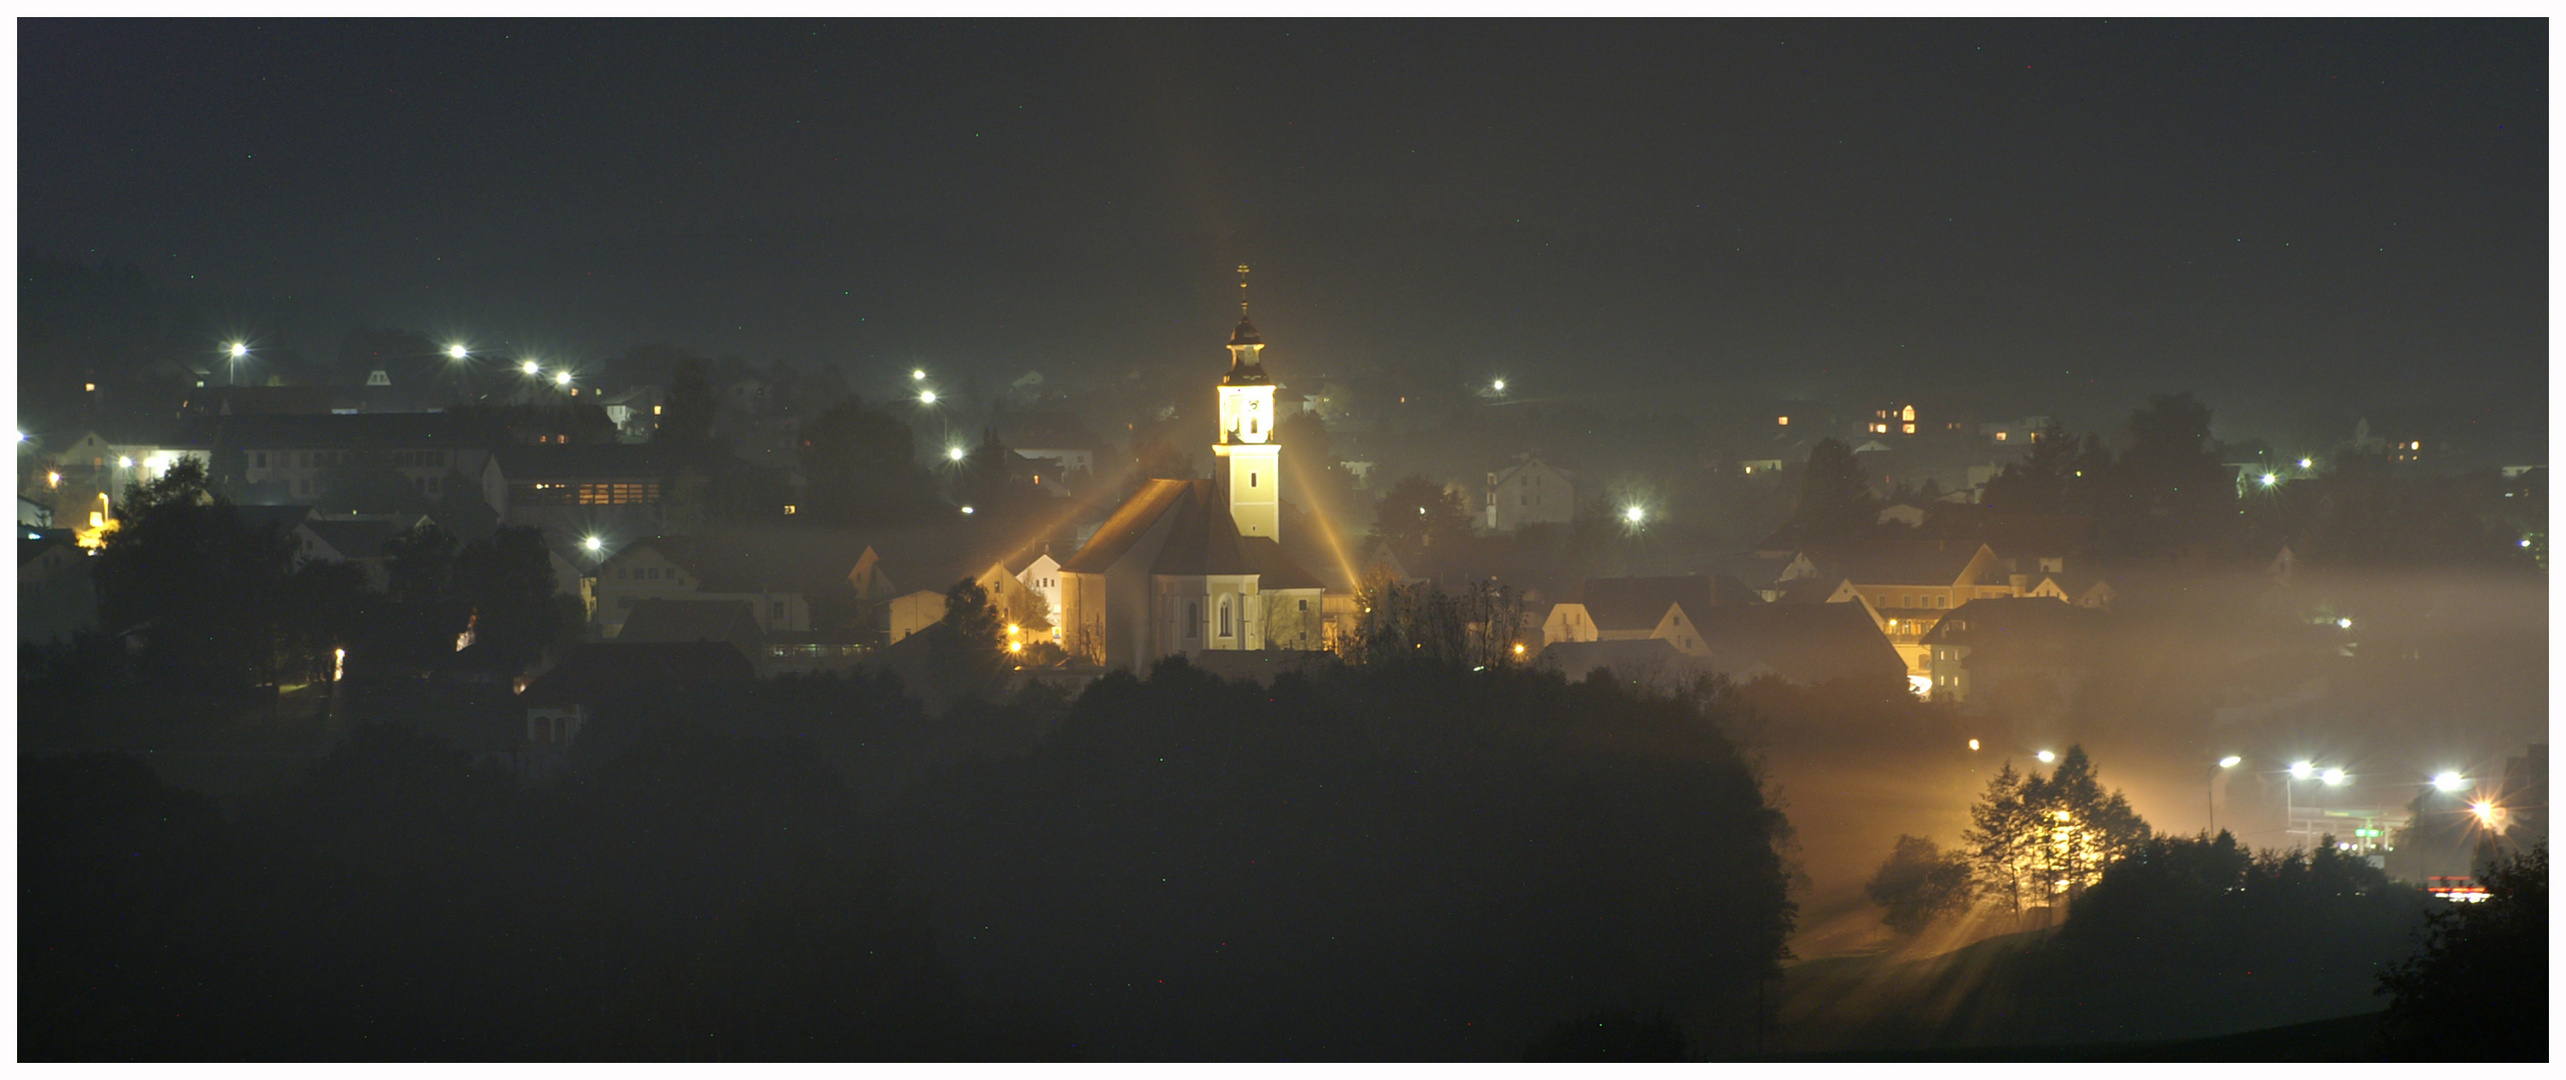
(686, 417)
(1417, 514)
(1918, 884)
(507, 580)
(2479, 989)
(862, 467)
(1835, 495)
(204, 588)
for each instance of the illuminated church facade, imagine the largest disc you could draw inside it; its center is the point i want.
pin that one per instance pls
(1189, 566)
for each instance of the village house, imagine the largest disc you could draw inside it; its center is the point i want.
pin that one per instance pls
(1531, 492)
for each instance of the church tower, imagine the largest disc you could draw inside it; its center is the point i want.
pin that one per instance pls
(1253, 477)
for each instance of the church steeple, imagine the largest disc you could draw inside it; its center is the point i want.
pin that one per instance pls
(1245, 368)
(1246, 436)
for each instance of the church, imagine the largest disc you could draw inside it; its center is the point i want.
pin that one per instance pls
(1189, 566)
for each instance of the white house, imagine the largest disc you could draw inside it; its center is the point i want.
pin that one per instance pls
(1530, 493)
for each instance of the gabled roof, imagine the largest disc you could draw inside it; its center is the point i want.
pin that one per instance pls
(595, 671)
(633, 460)
(354, 539)
(1898, 562)
(44, 540)
(1638, 659)
(659, 619)
(1638, 603)
(394, 430)
(2015, 621)
(1803, 643)
(1499, 478)
(284, 517)
(1126, 526)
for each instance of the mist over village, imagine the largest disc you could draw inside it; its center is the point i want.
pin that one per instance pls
(1261, 540)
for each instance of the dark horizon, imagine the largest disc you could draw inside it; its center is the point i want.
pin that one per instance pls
(2311, 217)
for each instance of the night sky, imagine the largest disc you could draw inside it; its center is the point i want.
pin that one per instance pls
(2274, 214)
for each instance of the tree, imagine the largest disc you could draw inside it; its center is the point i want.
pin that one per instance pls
(421, 563)
(2479, 989)
(507, 579)
(1417, 514)
(687, 419)
(862, 465)
(2032, 837)
(2169, 490)
(968, 655)
(1835, 495)
(208, 586)
(2039, 482)
(1918, 883)
(2002, 842)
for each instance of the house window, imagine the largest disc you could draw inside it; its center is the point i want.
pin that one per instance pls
(262, 458)
(1251, 479)
(1193, 618)
(1305, 605)
(779, 611)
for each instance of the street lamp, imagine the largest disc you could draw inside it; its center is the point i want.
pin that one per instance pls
(531, 368)
(926, 397)
(1500, 386)
(2269, 479)
(2229, 762)
(561, 378)
(2449, 781)
(457, 352)
(917, 374)
(953, 453)
(2046, 757)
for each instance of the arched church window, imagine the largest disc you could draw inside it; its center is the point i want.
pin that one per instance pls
(1225, 616)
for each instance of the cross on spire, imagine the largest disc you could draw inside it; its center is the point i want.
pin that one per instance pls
(1242, 290)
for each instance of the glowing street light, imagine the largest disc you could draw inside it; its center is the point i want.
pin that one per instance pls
(1634, 515)
(2300, 770)
(2269, 479)
(22, 436)
(953, 453)
(2343, 624)
(592, 545)
(2485, 811)
(237, 350)
(2449, 781)
(561, 378)
(457, 352)
(1973, 745)
(926, 397)
(2305, 463)
(531, 368)
(967, 510)
(2335, 778)
(917, 374)
(1500, 386)
(2229, 762)
(2046, 757)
